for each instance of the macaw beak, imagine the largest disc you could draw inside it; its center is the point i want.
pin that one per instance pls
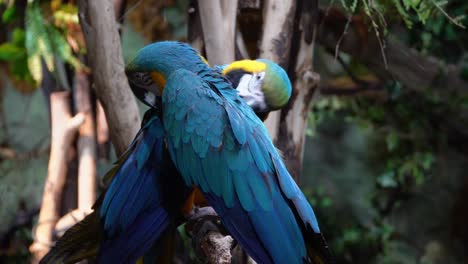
(144, 88)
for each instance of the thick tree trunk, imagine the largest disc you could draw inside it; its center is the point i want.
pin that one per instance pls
(97, 20)
(293, 121)
(276, 44)
(293, 118)
(218, 19)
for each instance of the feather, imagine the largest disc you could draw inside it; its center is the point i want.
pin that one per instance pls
(257, 202)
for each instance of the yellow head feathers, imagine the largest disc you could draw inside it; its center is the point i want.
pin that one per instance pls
(245, 65)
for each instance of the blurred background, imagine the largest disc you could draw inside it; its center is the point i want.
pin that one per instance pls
(385, 156)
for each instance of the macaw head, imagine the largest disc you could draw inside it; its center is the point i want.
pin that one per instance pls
(148, 71)
(263, 84)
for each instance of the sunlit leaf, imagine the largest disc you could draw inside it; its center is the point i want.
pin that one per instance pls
(62, 49)
(10, 52)
(9, 14)
(35, 67)
(19, 37)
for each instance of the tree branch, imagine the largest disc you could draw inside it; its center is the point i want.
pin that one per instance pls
(219, 42)
(102, 132)
(194, 28)
(64, 127)
(97, 20)
(86, 143)
(210, 240)
(276, 44)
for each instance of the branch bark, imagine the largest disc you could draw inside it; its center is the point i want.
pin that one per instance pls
(218, 20)
(102, 132)
(210, 240)
(194, 28)
(276, 44)
(86, 144)
(293, 119)
(97, 20)
(63, 128)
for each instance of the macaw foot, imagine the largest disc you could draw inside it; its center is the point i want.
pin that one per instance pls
(210, 239)
(201, 212)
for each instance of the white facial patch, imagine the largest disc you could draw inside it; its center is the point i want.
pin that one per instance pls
(250, 89)
(150, 98)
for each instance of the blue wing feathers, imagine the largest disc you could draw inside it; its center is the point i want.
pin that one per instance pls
(237, 221)
(243, 178)
(124, 188)
(135, 241)
(134, 210)
(236, 125)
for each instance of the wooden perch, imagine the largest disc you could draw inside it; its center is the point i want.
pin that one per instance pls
(97, 20)
(210, 240)
(63, 129)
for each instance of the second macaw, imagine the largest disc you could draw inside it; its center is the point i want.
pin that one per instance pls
(146, 191)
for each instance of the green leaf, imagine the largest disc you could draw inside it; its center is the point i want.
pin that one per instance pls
(392, 140)
(387, 180)
(427, 161)
(9, 14)
(403, 13)
(10, 52)
(35, 67)
(62, 48)
(20, 70)
(19, 37)
(37, 42)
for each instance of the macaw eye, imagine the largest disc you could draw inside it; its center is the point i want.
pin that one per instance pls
(260, 75)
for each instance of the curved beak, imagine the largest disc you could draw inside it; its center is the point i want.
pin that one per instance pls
(144, 88)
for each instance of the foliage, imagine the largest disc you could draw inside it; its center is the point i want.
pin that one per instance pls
(410, 11)
(42, 42)
(407, 134)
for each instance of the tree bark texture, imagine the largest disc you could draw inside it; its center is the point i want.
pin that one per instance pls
(293, 118)
(97, 20)
(86, 144)
(218, 19)
(275, 44)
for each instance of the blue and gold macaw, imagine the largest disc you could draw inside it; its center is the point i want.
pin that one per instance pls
(219, 145)
(142, 202)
